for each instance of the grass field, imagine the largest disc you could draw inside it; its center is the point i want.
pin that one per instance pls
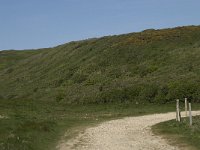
(181, 133)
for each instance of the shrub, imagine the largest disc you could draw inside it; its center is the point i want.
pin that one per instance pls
(161, 96)
(127, 94)
(149, 92)
(184, 89)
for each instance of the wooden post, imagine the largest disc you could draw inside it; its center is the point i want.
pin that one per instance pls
(177, 111)
(186, 107)
(190, 114)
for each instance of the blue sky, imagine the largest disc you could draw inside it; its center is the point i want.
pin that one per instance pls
(27, 24)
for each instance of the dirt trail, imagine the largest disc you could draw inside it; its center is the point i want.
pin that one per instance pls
(130, 133)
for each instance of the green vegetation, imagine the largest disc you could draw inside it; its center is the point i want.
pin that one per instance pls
(11, 57)
(154, 66)
(49, 91)
(181, 133)
(35, 125)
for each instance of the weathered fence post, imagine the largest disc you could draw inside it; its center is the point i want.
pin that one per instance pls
(178, 117)
(190, 114)
(176, 110)
(186, 107)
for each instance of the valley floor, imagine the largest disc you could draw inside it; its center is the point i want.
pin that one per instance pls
(130, 133)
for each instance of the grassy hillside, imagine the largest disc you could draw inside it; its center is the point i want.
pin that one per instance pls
(10, 57)
(149, 66)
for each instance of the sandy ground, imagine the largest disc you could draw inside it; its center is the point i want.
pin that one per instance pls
(131, 133)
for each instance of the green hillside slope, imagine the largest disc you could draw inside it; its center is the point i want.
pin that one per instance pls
(10, 57)
(149, 66)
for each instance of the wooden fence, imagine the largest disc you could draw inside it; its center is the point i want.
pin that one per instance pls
(178, 111)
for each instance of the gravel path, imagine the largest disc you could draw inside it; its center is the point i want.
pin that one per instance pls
(131, 133)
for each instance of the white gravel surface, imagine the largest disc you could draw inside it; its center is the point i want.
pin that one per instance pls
(130, 133)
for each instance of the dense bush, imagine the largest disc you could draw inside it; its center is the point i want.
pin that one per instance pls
(184, 89)
(155, 66)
